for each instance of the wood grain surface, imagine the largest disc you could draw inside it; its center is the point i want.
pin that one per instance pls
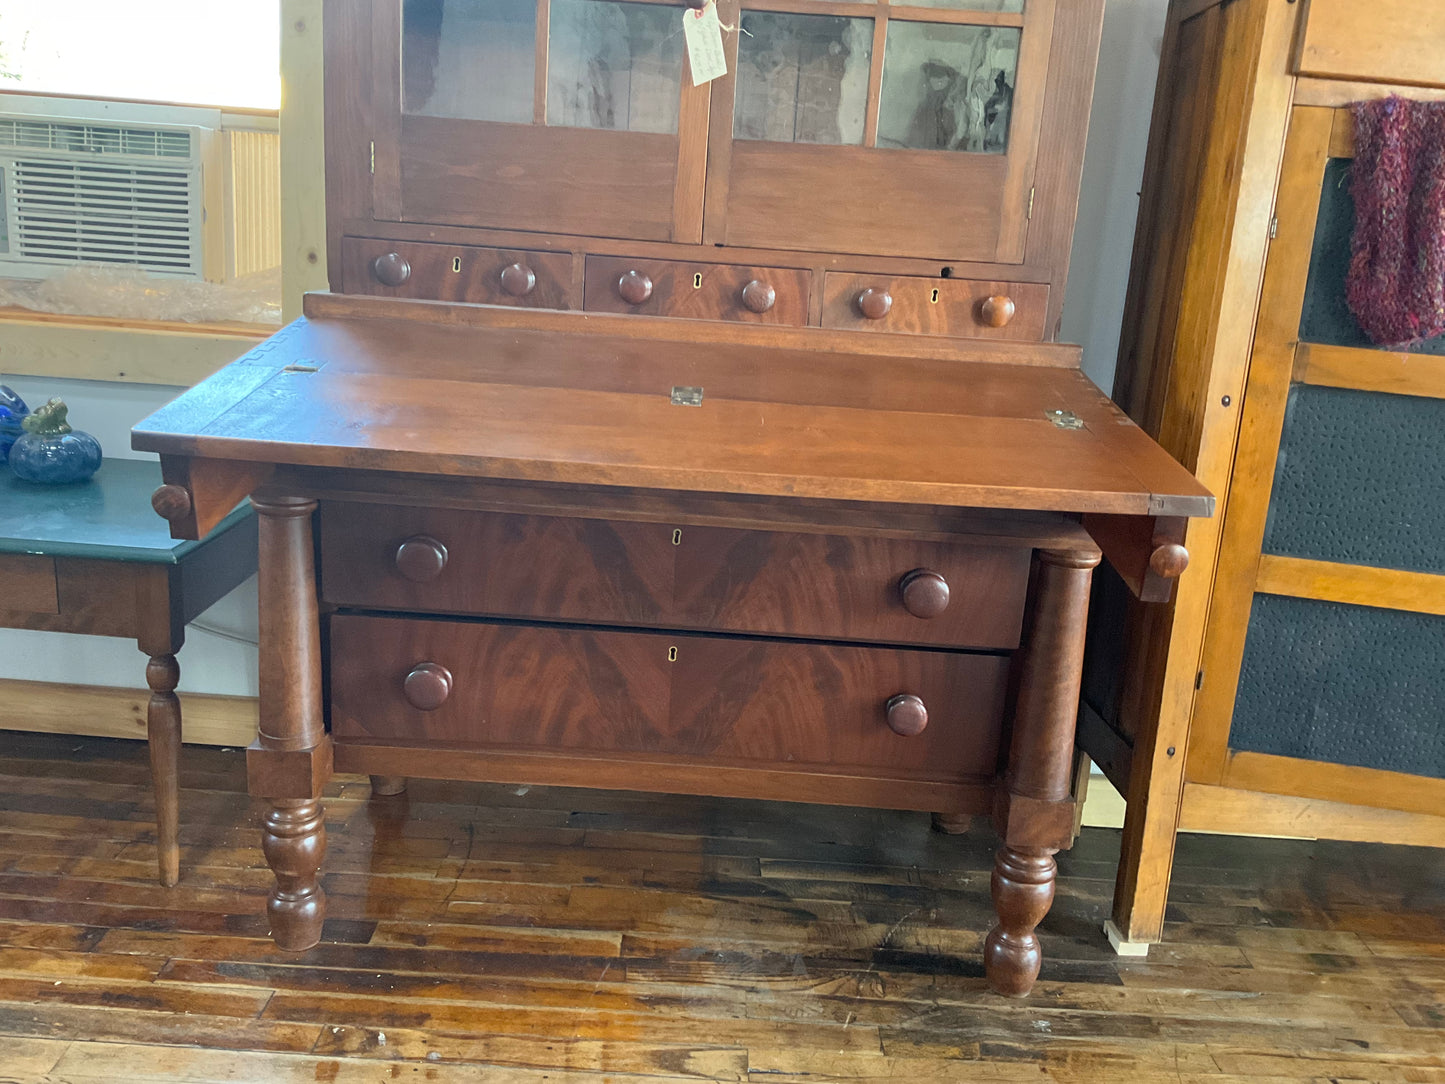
(577, 937)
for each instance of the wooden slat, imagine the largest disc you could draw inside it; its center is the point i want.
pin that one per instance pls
(121, 713)
(1335, 782)
(1385, 41)
(303, 166)
(1363, 369)
(1342, 135)
(1338, 93)
(1354, 585)
(1252, 813)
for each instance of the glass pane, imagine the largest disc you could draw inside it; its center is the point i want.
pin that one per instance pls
(1343, 684)
(1326, 317)
(469, 58)
(612, 65)
(802, 78)
(1014, 6)
(948, 87)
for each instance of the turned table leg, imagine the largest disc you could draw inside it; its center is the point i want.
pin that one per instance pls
(952, 824)
(163, 729)
(1035, 811)
(291, 760)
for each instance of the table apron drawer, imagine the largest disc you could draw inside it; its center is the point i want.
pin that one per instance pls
(723, 700)
(28, 584)
(965, 594)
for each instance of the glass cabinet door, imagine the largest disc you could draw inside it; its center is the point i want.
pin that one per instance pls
(913, 129)
(553, 115)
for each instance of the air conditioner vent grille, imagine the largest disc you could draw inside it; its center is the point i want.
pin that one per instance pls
(107, 213)
(94, 138)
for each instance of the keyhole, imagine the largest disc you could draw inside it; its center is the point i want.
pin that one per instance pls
(933, 300)
(457, 266)
(697, 281)
(677, 537)
(672, 654)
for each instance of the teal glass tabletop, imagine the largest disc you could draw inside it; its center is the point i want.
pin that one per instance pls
(108, 518)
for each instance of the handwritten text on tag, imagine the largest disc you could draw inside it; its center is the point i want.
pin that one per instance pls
(704, 44)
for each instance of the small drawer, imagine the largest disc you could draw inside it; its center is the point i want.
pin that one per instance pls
(490, 276)
(960, 307)
(28, 584)
(710, 700)
(441, 560)
(699, 291)
(773, 583)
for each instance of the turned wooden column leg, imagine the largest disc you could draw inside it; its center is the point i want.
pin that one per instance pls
(1035, 811)
(388, 785)
(1023, 891)
(953, 824)
(291, 760)
(163, 728)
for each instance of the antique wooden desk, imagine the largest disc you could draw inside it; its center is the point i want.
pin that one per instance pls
(507, 546)
(90, 559)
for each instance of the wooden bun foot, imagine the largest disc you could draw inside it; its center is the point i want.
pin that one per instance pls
(1023, 890)
(294, 842)
(953, 824)
(386, 786)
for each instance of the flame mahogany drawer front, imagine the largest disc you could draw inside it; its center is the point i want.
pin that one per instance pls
(836, 587)
(492, 276)
(702, 291)
(959, 307)
(929, 714)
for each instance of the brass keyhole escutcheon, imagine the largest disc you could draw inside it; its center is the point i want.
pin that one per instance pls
(933, 299)
(672, 654)
(677, 537)
(697, 280)
(457, 264)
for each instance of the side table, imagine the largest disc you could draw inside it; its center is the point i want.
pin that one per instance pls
(94, 559)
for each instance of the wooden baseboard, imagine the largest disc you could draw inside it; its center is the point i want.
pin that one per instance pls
(1253, 813)
(104, 712)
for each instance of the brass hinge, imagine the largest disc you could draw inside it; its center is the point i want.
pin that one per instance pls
(1031, 204)
(373, 156)
(1273, 227)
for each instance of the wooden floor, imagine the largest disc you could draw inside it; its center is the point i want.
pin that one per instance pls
(498, 934)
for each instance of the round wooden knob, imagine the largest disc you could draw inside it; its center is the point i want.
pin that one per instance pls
(925, 593)
(906, 715)
(1169, 560)
(421, 559)
(996, 311)
(758, 296)
(874, 303)
(171, 502)
(391, 269)
(634, 287)
(427, 687)
(518, 279)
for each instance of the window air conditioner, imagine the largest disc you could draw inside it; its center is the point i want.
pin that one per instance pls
(105, 182)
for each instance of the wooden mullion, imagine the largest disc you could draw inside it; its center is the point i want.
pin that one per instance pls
(1025, 130)
(386, 111)
(875, 80)
(539, 75)
(957, 16)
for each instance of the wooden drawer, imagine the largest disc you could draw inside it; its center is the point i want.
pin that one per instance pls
(28, 584)
(491, 276)
(932, 306)
(728, 700)
(837, 587)
(700, 291)
(1387, 41)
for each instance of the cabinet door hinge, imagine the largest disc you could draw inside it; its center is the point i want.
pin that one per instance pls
(1273, 227)
(1030, 213)
(373, 156)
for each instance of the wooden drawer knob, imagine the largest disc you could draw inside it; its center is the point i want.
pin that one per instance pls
(518, 279)
(758, 296)
(421, 559)
(634, 287)
(906, 715)
(874, 303)
(391, 269)
(427, 687)
(925, 593)
(996, 311)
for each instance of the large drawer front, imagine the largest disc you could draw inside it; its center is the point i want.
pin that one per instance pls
(490, 276)
(836, 587)
(701, 291)
(929, 306)
(729, 700)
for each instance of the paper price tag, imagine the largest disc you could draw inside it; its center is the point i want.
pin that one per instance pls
(704, 44)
